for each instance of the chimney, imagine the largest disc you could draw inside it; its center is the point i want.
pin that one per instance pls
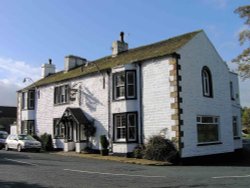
(119, 46)
(48, 69)
(72, 61)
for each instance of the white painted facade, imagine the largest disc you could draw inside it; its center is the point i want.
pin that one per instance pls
(152, 103)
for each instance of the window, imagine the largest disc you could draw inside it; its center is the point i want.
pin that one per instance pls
(207, 82)
(58, 128)
(125, 127)
(28, 127)
(24, 101)
(235, 127)
(231, 91)
(28, 100)
(124, 85)
(208, 129)
(61, 94)
(31, 99)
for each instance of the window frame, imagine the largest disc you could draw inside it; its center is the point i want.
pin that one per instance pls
(235, 126)
(59, 130)
(61, 94)
(207, 82)
(126, 85)
(126, 139)
(28, 127)
(231, 90)
(215, 121)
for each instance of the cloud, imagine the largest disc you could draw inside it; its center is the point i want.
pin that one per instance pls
(12, 73)
(245, 93)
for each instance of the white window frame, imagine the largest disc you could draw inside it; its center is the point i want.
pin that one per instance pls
(118, 119)
(118, 86)
(207, 85)
(235, 126)
(61, 94)
(215, 121)
(133, 84)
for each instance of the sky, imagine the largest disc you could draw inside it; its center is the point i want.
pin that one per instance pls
(31, 32)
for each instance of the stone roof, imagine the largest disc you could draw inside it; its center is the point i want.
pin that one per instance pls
(159, 49)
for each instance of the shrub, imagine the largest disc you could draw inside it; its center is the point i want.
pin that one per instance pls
(46, 141)
(104, 142)
(160, 149)
(138, 152)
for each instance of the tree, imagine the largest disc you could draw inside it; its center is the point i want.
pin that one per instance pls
(243, 59)
(246, 118)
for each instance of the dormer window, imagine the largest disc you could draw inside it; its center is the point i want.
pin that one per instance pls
(207, 82)
(124, 85)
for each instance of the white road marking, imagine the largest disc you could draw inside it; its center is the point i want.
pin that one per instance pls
(221, 177)
(112, 174)
(20, 162)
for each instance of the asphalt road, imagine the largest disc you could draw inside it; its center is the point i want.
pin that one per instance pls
(49, 170)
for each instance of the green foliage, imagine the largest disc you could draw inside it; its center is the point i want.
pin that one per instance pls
(160, 149)
(104, 142)
(243, 59)
(138, 152)
(89, 130)
(246, 118)
(46, 141)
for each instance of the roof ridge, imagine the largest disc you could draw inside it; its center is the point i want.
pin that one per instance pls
(141, 53)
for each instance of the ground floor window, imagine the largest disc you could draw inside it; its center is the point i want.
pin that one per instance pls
(59, 131)
(208, 129)
(235, 126)
(28, 127)
(125, 127)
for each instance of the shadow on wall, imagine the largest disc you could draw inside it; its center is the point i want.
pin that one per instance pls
(19, 184)
(100, 130)
(90, 100)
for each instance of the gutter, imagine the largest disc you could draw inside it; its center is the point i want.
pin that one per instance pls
(141, 140)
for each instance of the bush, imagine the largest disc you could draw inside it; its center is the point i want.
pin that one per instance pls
(138, 152)
(104, 142)
(46, 141)
(160, 149)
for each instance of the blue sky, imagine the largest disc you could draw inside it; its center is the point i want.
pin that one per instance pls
(33, 31)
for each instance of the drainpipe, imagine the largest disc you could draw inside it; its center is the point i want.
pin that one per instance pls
(109, 110)
(141, 140)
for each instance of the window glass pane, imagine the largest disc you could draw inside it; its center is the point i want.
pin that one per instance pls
(235, 126)
(207, 119)
(131, 118)
(208, 133)
(131, 90)
(120, 79)
(130, 77)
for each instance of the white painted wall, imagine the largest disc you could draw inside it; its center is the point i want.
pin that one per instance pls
(236, 108)
(94, 101)
(197, 53)
(156, 98)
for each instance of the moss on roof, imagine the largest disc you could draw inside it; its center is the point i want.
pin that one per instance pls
(159, 49)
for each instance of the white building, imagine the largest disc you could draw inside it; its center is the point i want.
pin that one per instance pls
(179, 88)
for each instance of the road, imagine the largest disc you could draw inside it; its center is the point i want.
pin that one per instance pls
(49, 170)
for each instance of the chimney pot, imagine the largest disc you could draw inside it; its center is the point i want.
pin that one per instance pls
(122, 36)
(50, 61)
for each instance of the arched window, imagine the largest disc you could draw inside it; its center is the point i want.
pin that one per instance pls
(207, 82)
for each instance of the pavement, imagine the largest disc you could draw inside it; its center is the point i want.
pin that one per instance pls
(114, 158)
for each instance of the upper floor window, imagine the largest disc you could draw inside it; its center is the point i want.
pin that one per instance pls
(231, 91)
(61, 94)
(207, 82)
(28, 100)
(124, 86)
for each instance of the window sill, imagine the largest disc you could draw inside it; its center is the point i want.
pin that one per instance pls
(237, 138)
(124, 142)
(123, 99)
(60, 104)
(209, 143)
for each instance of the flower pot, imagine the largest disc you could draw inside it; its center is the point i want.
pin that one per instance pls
(104, 152)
